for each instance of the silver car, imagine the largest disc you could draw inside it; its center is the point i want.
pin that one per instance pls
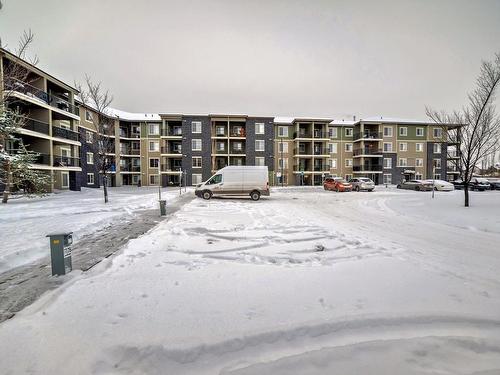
(362, 183)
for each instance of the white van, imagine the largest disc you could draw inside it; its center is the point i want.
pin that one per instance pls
(236, 180)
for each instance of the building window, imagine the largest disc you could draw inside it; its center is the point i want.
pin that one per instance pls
(348, 162)
(283, 131)
(237, 146)
(403, 146)
(283, 147)
(260, 161)
(420, 132)
(90, 158)
(154, 146)
(196, 127)
(348, 132)
(387, 147)
(387, 178)
(221, 146)
(220, 130)
(135, 179)
(196, 161)
(196, 179)
(387, 131)
(437, 176)
(403, 131)
(437, 148)
(419, 147)
(436, 163)
(348, 147)
(153, 179)
(418, 176)
(283, 163)
(332, 132)
(332, 148)
(437, 132)
(419, 162)
(387, 163)
(333, 163)
(88, 116)
(259, 145)
(154, 162)
(154, 129)
(90, 179)
(64, 179)
(259, 128)
(89, 137)
(196, 144)
(403, 162)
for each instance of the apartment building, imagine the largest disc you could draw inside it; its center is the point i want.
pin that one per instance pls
(51, 119)
(168, 149)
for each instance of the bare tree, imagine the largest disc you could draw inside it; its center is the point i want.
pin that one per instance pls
(480, 133)
(94, 96)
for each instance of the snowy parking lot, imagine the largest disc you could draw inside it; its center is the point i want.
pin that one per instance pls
(305, 281)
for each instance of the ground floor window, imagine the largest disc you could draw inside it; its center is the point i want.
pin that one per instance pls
(387, 179)
(90, 179)
(437, 176)
(282, 179)
(153, 179)
(418, 176)
(135, 179)
(196, 179)
(348, 177)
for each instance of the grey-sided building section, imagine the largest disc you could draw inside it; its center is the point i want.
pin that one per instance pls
(196, 143)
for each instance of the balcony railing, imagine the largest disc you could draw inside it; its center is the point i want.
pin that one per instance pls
(36, 126)
(65, 133)
(367, 135)
(301, 168)
(170, 150)
(66, 161)
(320, 134)
(42, 159)
(367, 167)
(217, 151)
(34, 92)
(176, 132)
(302, 134)
(367, 151)
(129, 151)
(319, 168)
(124, 134)
(239, 151)
(130, 168)
(320, 152)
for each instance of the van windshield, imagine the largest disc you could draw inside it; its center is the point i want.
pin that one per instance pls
(215, 179)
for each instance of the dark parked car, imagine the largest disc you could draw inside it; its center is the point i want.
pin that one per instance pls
(494, 183)
(417, 185)
(476, 184)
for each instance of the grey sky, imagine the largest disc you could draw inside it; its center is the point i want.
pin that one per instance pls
(308, 58)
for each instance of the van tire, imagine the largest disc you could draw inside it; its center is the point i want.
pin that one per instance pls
(207, 194)
(255, 195)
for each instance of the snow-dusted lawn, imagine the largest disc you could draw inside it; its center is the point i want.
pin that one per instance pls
(24, 223)
(404, 285)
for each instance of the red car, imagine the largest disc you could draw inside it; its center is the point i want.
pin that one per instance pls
(337, 184)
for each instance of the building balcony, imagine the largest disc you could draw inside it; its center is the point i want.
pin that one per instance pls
(43, 159)
(129, 135)
(367, 136)
(302, 134)
(367, 168)
(36, 126)
(66, 161)
(321, 134)
(129, 151)
(130, 168)
(65, 133)
(171, 150)
(175, 132)
(367, 152)
(239, 151)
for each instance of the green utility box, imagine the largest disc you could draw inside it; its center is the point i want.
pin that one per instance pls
(163, 207)
(60, 252)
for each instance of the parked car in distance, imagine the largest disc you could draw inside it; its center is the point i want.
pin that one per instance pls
(476, 183)
(236, 180)
(362, 183)
(494, 183)
(441, 185)
(417, 185)
(336, 184)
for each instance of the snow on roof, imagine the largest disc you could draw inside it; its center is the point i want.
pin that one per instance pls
(133, 116)
(343, 122)
(284, 120)
(392, 120)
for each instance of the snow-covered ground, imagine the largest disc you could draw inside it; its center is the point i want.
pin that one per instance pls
(403, 285)
(24, 223)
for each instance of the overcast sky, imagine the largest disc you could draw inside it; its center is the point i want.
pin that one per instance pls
(298, 58)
